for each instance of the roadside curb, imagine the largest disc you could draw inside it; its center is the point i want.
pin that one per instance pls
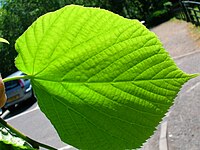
(163, 143)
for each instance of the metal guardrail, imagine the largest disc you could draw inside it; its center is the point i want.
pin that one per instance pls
(191, 10)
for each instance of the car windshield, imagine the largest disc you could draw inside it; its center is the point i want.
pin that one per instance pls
(11, 84)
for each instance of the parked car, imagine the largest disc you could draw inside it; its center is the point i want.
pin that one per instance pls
(17, 91)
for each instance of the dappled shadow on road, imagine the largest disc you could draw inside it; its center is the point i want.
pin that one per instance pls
(21, 107)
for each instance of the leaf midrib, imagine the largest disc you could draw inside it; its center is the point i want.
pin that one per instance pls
(113, 82)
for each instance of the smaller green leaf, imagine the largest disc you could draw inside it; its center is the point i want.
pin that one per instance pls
(9, 140)
(4, 41)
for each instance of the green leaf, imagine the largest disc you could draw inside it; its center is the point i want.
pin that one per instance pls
(9, 141)
(104, 81)
(4, 41)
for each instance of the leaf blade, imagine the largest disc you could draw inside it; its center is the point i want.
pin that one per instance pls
(101, 79)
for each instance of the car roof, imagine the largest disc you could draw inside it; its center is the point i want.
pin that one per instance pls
(17, 73)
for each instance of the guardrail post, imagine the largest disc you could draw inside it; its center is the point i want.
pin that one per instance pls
(185, 11)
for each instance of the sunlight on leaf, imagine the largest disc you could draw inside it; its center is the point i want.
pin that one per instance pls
(4, 41)
(104, 82)
(9, 141)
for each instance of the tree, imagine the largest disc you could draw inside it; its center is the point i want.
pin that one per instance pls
(16, 16)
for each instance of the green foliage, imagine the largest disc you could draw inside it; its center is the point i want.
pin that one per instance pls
(158, 17)
(104, 81)
(9, 141)
(159, 13)
(16, 16)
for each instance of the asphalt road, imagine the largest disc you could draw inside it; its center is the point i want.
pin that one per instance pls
(184, 120)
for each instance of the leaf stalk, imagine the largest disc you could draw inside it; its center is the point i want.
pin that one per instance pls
(16, 78)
